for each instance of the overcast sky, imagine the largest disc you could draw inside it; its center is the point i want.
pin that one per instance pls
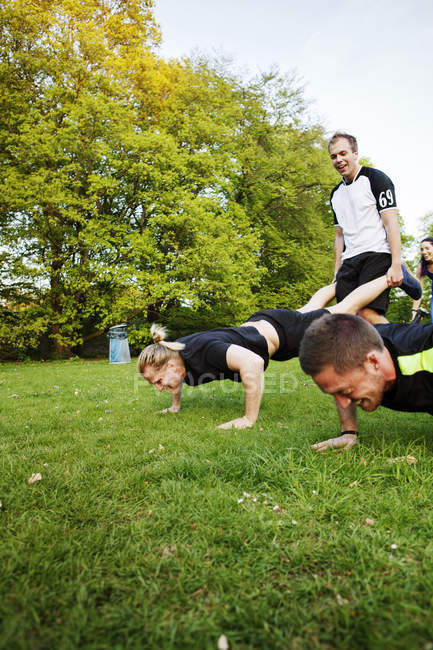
(367, 66)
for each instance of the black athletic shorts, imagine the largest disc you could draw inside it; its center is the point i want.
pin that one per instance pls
(290, 327)
(361, 269)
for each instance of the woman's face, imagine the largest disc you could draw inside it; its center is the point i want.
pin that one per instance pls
(427, 251)
(169, 377)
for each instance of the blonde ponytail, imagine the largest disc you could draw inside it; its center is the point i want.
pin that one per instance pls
(158, 353)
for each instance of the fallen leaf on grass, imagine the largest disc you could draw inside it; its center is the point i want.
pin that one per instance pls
(353, 483)
(369, 522)
(14, 395)
(169, 550)
(223, 644)
(341, 601)
(34, 478)
(410, 460)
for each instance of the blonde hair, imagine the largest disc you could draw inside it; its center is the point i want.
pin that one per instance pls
(158, 353)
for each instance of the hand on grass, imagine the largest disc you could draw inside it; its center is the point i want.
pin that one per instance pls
(171, 409)
(239, 423)
(344, 442)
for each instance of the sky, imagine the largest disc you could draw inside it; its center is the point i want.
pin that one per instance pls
(366, 65)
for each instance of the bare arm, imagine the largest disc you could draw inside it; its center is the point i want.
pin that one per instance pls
(176, 397)
(390, 222)
(349, 428)
(417, 303)
(250, 366)
(338, 249)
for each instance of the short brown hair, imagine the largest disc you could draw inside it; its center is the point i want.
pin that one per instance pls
(341, 134)
(339, 340)
(158, 353)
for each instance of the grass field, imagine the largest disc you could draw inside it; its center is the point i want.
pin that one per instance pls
(153, 531)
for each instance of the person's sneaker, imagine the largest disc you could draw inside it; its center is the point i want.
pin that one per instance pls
(410, 285)
(420, 314)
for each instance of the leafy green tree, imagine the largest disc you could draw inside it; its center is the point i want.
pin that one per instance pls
(255, 150)
(283, 181)
(105, 212)
(134, 189)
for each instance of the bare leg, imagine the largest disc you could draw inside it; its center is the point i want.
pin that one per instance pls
(320, 299)
(372, 316)
(360, 297)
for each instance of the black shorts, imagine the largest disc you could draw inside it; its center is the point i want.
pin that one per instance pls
(290, 327)
(361, 269)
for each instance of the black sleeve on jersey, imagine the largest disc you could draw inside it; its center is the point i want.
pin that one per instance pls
(216, 356)
(382, 188)
(407, 338)
(205, 358)
(332, 208)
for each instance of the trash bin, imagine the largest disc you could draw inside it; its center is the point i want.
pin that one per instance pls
(119, 347)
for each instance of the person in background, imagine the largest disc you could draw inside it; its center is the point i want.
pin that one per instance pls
(367, 237)
(425, 268)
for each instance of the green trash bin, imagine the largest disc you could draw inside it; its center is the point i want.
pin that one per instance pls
(119, 346)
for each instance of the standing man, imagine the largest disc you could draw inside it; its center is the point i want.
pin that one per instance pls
(368, 366)
(367, 240)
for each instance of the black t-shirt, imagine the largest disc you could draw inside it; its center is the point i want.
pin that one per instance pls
(204, 353)
(411, 349)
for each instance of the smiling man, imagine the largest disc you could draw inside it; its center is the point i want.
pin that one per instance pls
(367, 238)
(363, 365)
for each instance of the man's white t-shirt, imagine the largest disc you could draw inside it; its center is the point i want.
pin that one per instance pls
(357, 207)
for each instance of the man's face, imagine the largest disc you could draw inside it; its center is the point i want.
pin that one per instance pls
(344, 159)
(363, 386)
(168, 377)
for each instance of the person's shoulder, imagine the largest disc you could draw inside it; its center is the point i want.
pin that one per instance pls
(195, 337)
(406, 338)
(334, 189)
(374, 174)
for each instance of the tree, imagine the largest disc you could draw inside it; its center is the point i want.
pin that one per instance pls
(97, 221)
(283, 181)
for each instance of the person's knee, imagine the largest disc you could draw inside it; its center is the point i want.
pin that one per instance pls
(372, 316)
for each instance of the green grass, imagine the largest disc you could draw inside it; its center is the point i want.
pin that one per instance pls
(135, 536)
